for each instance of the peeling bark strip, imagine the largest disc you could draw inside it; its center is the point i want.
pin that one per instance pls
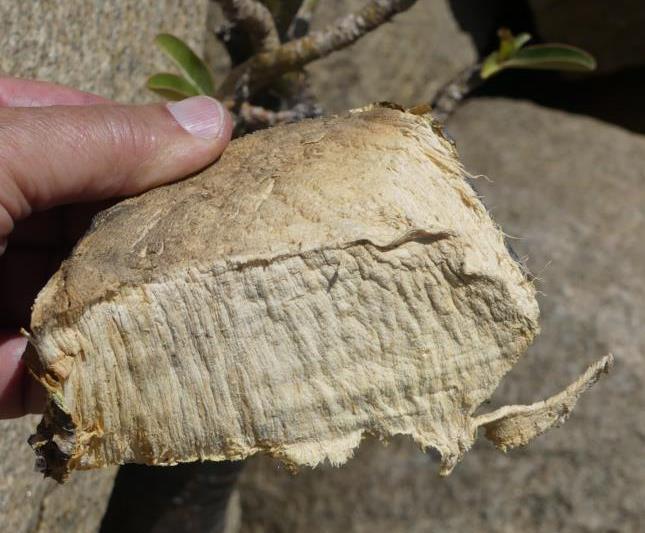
(515, 425)
(324, 280)
(256, 117)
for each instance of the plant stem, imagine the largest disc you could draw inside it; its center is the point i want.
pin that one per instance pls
(264, 67)
(255, 19)
(257, 117)
(300, 24)
(448, 98)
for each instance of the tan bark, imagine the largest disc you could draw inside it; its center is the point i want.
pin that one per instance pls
(323, 281)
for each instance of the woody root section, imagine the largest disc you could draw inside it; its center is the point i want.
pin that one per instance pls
(324, 281)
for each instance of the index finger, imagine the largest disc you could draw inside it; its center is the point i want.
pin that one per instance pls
(19, 393)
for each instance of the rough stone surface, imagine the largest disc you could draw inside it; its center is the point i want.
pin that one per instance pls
(611, 31)
(573, 190)
(404, 61)
(105, 47)
(95, 45)
(188, 498)
(29, 504)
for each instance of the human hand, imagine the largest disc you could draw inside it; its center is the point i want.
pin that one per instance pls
(63, 155)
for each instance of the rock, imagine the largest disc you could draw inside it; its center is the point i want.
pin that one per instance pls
(105, 47)
(29, 504)
(190, 498)
(572, 189)
(404, 61)
(611, 31)
(101, 46)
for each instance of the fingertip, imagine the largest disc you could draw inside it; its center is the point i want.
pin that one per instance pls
(225, 133)
(12, 375)
(206, 119)
(201, 128)
(12, 347)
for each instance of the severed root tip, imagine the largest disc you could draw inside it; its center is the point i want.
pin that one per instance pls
(515, 425)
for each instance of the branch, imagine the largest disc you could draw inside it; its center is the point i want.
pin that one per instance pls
(300, 24)
(253, 118)
(264, 67)
(448, 98)
(255, 19)
(283, 12)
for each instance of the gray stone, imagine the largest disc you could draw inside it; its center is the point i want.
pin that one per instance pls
(104, 47)
(404, 61)
(572, 190)
(30, 504)
(611, 31)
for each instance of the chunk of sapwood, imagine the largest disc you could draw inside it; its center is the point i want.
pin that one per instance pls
(324, 280)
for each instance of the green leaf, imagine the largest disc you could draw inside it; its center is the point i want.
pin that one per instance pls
(171, 86)
(192, 67)
(509, 44)
(506, 44)
(490, 66)
(542, 56)
(521, 40)
(552, 57)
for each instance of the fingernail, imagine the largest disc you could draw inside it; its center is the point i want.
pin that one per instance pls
(200, 116)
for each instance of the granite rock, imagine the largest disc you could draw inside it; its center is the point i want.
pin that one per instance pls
(405, 61)
(100, 46)
(30, 504)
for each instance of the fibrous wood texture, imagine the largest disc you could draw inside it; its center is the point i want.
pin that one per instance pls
(322, 281)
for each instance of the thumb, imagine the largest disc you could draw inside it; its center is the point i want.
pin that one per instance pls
(62, 154)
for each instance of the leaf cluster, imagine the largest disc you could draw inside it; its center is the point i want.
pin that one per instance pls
(195, 78)
(513, 53)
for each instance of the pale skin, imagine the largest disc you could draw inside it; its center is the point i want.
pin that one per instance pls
(64, 154)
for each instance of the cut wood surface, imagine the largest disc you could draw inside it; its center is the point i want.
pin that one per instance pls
(324, 280)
